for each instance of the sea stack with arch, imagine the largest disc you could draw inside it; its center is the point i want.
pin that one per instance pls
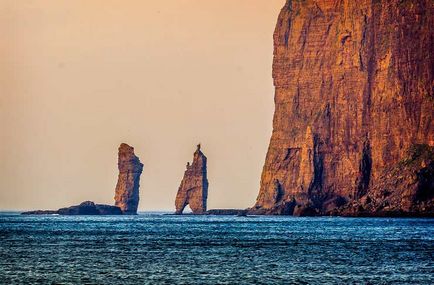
(193, 190)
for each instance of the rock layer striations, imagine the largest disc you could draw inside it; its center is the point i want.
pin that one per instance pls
(353, 96)
(193, 190)
(127, 187)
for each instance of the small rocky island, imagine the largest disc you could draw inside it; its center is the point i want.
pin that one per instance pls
(126, 193)
(85, 208)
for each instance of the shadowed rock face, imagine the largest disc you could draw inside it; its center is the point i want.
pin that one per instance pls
(127, 187)
(193, 190)
(404, 189)
(353, 94)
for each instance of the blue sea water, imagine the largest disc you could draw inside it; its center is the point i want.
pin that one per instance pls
(153, 248)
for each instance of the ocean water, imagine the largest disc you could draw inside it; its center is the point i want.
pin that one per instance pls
(153, 248)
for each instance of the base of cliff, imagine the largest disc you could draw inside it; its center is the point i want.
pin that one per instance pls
(405, 189)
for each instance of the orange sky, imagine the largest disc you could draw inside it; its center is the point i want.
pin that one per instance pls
(77, 78)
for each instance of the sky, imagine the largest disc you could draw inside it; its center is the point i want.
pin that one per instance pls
(77, 78)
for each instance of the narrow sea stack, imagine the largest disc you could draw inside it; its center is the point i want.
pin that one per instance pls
(127, 187)
(353, 130)
(193, 190)
(126, 193)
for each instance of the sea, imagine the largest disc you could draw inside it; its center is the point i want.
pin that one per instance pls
(159, 248)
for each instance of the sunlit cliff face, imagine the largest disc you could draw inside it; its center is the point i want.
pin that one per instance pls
(353, 99)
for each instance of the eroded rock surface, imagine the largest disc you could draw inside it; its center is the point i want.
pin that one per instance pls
(404, 189)
(127, 187)
(193, 190)
(353, 94)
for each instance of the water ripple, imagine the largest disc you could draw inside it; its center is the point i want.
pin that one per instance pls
(153, 248)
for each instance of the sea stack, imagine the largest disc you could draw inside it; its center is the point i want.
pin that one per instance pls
(193, 190)
(127, 187)
(353, 130)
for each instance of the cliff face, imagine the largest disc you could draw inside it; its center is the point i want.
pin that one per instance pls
(127, 187)
(353, 94)
(193, 190)
(403, 189)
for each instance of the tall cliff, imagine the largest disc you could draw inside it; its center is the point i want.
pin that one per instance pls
(353, 97)
(127, 187)
(193, 190)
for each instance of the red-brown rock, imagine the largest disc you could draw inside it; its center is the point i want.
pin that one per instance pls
(127, 187)
(193, 190)
(353, 94)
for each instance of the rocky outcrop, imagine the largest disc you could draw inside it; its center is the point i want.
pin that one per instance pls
(85, 208)
(404, 189)
(90, 208)
(193, 190)
(40, 212)
(353, 94)
(227, 212)
(126, 193)
(127, 187)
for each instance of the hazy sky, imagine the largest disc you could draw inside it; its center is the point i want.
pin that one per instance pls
(77, 78)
